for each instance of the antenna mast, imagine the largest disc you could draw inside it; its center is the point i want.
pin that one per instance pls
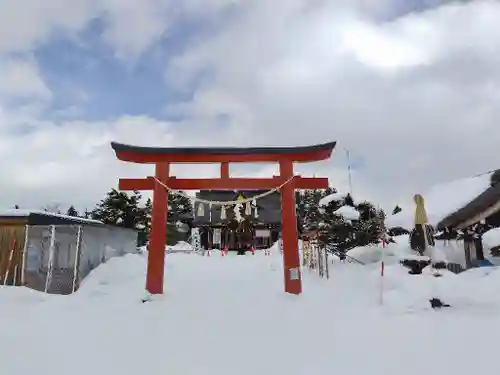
(349, 172)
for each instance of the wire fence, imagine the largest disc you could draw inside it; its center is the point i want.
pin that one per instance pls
(58, 257)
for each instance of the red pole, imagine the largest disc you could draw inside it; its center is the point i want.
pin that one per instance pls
(382, 271)
(291, 258)
(382, 267)
(158, 236)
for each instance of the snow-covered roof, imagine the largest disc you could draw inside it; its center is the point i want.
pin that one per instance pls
(348, 212)
(14, 212)
(442, 200)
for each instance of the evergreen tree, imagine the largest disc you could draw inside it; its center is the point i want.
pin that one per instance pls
(335, 230)
(147, 212)
(144, 222)
(301, 210)
(72, 211)
(370, 226)
(179, 207)
(313, 215)
(120, 209)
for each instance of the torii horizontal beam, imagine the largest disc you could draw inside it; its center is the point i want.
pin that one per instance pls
(149, 155)
(223, 183)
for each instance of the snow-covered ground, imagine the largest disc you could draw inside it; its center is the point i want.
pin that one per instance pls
(229, 315)
(179, 247)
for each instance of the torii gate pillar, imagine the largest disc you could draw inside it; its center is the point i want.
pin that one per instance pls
(162, 158)
(289, 233)
(158, 236)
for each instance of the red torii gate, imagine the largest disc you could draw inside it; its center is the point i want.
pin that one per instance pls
(163, 157)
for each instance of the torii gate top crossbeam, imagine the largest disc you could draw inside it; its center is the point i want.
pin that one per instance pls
(150, 155)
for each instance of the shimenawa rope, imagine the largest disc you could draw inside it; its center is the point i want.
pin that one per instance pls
(226, 203)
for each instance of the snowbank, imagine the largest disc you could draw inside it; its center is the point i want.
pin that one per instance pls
(231, 315)
(179, 247)
(491, 238)
(442, 200)
(393, 252)
(449, 251)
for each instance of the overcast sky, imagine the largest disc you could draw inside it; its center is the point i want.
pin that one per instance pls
(410, 87)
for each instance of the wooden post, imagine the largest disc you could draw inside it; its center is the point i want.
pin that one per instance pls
(78, 256)
(24, 257)
(291, 258)
(50, 264)
(158, 236)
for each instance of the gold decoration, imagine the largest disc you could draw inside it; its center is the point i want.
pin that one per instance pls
(420, 214)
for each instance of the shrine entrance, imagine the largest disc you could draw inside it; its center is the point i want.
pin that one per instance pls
(286, 183)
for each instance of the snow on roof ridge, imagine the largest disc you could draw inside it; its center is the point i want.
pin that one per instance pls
(26, 212)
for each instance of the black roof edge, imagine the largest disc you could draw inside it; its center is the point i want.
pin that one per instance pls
(41, 219)
(121, 147)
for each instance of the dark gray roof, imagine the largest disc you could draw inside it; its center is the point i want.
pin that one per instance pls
(43, 218)
(120, 147)
(38, 217)
(480, 204)
(268, 208)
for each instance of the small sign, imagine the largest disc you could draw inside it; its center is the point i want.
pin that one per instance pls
(262, 233)
(294, 274)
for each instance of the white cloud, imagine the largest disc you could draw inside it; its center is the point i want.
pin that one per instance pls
(71, 162)
(131, 27)
(20, 79)
(288, 76)
(379, 48)
(418, 97)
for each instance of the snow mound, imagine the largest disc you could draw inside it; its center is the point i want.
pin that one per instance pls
(335, 197)
(180, 247)
(491, 238)
(348, 212)
(393, 252)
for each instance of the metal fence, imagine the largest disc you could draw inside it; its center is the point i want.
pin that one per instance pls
(58, 257)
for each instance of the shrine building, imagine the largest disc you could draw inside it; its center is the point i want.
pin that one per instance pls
(258, 225)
